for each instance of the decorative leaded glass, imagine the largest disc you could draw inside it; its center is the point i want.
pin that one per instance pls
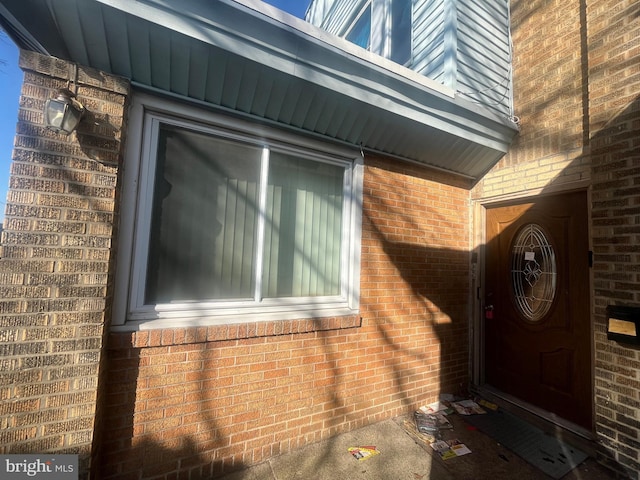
(533, 272)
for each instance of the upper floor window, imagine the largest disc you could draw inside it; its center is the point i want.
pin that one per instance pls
(400, 31)
(229, 222)
(360, 32)
(383, 28)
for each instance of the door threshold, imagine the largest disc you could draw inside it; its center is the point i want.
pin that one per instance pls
(548, 422)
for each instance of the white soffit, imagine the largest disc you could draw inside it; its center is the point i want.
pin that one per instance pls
(245, 56)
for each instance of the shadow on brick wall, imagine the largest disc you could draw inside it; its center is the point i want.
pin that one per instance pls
(438, 279)
(127, 446)
(615, 156)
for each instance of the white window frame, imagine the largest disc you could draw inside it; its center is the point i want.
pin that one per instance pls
(130, 312)
(391, 35)
(368, 4)
(381, 31)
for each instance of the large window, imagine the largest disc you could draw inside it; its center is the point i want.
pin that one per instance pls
(230, 224)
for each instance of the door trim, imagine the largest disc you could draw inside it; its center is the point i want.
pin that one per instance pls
(478, 380)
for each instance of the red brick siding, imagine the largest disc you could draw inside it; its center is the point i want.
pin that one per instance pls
(204, 401)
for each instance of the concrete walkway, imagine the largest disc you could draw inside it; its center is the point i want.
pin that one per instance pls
(406, 455)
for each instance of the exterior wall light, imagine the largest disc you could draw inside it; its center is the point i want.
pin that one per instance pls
(63, 113)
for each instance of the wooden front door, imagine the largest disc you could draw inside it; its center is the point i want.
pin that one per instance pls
(537, 307)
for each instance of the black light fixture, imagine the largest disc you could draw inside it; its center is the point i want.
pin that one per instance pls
(63, 113)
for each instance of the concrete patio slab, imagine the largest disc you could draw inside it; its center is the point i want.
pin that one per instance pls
(406, 455)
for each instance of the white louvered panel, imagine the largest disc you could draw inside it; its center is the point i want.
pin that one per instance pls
(216, 68)
(116, 31)
(231, 85)
(336, 120)
(139, 40)
(263, 91)
(326, 112)
(248, 84)
(198, 70)
(276, 99)
(301, 107)
(93, 30)
(160, 58)
(179, 61)
(67, 19)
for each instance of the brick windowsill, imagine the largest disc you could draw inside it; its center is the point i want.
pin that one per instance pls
(218, 333)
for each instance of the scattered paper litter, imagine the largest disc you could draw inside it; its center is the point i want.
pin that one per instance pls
(425, 422)
(487, 404)
(468, 407)
(436, 407)
(363, 453)
(459, 448)
(450, 448)
(431, 423)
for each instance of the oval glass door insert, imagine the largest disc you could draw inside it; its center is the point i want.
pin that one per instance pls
(533, 272)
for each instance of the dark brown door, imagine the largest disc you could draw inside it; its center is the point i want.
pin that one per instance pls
(537, 327)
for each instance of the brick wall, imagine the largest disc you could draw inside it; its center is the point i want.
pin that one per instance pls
(55, 263)
(577, 88)
(206, 400)
(614, 107)
(549, 101)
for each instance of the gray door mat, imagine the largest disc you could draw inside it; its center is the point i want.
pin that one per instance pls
(548, 454)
